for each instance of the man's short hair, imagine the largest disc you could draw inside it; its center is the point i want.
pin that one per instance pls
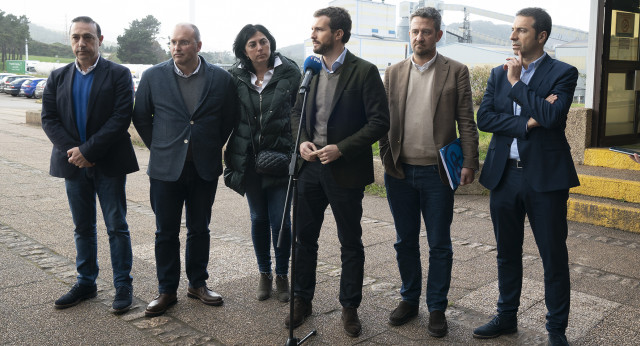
(429, 13)
(196, 31)
(541, 19)
(339, 18)
(87, 20)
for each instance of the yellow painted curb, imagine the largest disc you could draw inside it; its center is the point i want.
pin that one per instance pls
(602, 214)
(619, 189)
(606, 158)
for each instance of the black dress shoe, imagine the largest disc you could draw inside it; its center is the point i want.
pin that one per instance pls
(76, 294)
(437, 324)
(351, 322)
(205, 295)
(122, 300)
(160, 304)
(499, 325)
(301, 310)
(404, 313)
(557, 340)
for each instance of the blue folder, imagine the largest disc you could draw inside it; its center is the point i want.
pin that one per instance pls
(452, 159)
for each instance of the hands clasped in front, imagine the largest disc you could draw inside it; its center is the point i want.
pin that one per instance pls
(328, 154)
(76, 158)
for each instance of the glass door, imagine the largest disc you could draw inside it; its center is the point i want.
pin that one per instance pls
(621, 73)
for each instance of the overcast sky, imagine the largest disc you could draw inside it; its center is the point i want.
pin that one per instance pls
(220, 20)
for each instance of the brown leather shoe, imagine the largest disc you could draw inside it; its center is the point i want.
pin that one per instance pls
(301, 310)
(351, 322)
(160, 304)
(205, 295)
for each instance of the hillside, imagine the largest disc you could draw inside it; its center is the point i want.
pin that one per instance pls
(44, 35)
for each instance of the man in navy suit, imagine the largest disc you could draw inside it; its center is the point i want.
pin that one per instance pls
(185, 110)
(529, 170)
(86, 111)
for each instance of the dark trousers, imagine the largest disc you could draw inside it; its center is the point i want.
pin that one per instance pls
(316, 190)
(547, 212)
(167, 199)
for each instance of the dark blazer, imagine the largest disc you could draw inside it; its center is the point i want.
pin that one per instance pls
(452, 96)
(359, 117)
(167, 128)
(108, 143)
(544, 151)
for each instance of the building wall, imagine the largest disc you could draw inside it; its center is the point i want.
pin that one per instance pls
(370, 18)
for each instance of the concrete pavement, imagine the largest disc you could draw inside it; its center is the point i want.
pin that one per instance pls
(37, 266)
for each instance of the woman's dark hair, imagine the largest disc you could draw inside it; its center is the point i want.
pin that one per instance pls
(241, 41)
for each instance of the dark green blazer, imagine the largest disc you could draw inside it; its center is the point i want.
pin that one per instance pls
(359, 117)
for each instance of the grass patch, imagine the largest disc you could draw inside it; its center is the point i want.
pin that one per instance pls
(376, 190)
(51, 59)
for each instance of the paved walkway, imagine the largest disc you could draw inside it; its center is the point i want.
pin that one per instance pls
(37, 265)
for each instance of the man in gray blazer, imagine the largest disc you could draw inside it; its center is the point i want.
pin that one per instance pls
(428, 95)
(184, 113)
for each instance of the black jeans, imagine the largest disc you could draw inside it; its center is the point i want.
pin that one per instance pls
(316, 190)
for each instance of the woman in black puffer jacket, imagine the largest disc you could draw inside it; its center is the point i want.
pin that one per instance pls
(267, 85)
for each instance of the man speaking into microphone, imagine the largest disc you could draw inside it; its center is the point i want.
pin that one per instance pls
(345, 113)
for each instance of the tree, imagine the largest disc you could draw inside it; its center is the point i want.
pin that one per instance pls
(138, 44)
(479, 76)
(14, 31)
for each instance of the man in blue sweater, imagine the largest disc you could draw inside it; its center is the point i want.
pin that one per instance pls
(86, 111)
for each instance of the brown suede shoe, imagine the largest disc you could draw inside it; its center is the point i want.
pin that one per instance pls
(160, 304)
(205, 295)
(437, 324)
(301, 310)
(351, 322)
(404, 313)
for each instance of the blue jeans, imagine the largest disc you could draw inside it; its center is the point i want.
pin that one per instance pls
(167, 199)
(81, 193)
(266, 206)
(422, 191)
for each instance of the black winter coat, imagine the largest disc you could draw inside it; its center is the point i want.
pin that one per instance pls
(269, 114)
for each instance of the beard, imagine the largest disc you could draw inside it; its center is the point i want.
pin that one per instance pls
(422, 50)
(323, 48)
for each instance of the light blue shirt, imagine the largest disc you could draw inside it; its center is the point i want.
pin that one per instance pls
(336, 64)
(525, 76)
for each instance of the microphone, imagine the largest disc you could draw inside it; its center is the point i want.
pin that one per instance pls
(311, 67)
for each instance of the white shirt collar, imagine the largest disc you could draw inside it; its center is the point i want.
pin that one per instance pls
(426, 66)
(91, 68)
(267, 76)
(182, 74)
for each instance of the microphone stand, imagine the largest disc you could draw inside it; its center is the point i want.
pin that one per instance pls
(292, 190)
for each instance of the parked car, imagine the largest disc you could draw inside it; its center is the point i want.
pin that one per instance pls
(3, 79)
(14, 88)
(40, 89)
(6, 81)
(29, 87)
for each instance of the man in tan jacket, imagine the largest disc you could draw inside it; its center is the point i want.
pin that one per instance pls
(428, 94)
